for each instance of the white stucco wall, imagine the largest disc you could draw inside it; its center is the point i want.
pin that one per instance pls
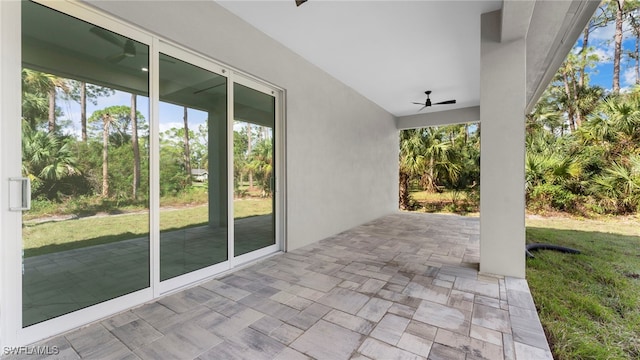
(342, 149)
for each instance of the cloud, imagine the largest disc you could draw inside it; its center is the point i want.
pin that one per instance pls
(604, 33)
(605, 54)
(628, 77)
(167, 125)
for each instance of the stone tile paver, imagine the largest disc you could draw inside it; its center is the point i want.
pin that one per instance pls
(328, 341)
(405, 286)
(379, 350)
(444, 317)
(390, 329)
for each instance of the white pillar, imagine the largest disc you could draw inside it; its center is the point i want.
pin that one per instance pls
(502, 197)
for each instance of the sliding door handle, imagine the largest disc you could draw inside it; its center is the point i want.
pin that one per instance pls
(19, 194)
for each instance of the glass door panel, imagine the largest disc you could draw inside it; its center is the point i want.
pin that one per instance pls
(193, 168)
(254, 169)
(85, 148)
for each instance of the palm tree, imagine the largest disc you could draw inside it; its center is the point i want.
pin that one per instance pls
(115, 117)
(412, 163)
(46, 158)
(442, 160)
(45, 84)
(621, 183)
(81, 92)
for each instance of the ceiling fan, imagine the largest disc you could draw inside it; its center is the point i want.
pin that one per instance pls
(128, 47)
(428, 103)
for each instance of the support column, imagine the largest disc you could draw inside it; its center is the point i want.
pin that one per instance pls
(502, 151)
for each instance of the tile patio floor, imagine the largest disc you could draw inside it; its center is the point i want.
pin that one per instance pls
(405, 286)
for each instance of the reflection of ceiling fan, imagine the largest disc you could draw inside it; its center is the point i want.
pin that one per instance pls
(128, 47)
(428, 103)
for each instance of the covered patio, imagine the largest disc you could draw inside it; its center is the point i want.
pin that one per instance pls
(403, 286)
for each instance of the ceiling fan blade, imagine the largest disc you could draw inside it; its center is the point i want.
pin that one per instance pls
(116, 58)
(445, 102)
(106, 35)
(422, 108)
(417, 103)
(129, 48)
(300, 2)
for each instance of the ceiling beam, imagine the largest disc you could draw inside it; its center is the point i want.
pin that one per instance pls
(447, 117)
(515, 19)
(555, 26)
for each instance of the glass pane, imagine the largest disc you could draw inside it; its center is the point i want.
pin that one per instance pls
(193, 168)
(85, 146)
(253, 173)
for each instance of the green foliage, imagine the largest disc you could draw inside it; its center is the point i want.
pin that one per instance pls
(550, 196)
(439, 159)
(593, 169)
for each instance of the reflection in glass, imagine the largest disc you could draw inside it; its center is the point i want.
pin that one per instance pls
(253, 144)
(86, 149)
(193, 185)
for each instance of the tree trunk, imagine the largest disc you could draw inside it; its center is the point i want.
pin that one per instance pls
(249, 154)
(431, 181)
(83, 110)
(466, 134)
(570, 99)
(583, 51)
(576, 100)
(637, 55)
(404, 191)
(187, 152)
(136, 147)
(618, 46)
(105, 155)
(52, 109)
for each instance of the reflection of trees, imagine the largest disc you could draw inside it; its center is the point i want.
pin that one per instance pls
(39, 89)
(261, 164)
(81, 92)
(118, 118)
(46, 159)
(253, 157)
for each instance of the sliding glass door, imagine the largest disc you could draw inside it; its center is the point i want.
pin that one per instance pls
(85, 150)
(254, 114)
(193, 167)
(146, 167)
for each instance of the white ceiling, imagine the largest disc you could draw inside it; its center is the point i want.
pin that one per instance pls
(388, 51)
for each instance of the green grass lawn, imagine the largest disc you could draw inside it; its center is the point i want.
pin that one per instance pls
(53, 236)
(589, 304)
